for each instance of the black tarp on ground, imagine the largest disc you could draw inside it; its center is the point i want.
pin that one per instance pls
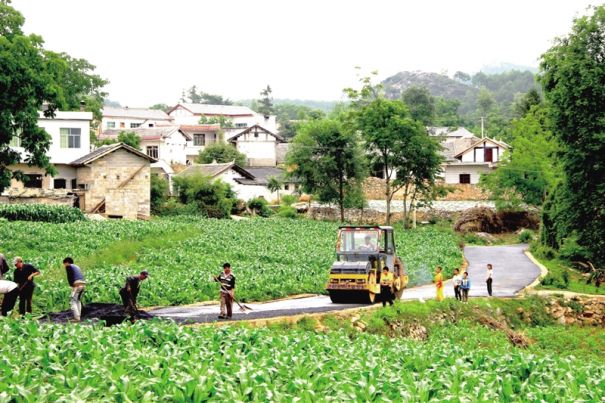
(112, 314)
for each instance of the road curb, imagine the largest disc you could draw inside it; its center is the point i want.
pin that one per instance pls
(543, 273)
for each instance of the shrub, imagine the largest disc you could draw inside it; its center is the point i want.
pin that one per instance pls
(526, 236)
(259, 206)
(288, 200)
(221, 153)
(158, 193)
(287, 212)
(570, 250)
(40, 212)
(213, 199)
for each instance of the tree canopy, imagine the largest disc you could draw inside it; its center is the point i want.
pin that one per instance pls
(221, 153)
(421, 104)
(195, 96)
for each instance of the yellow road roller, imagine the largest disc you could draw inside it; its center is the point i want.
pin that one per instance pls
(362, 252)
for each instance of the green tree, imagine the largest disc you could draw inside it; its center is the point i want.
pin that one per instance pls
(195, 96)
(573, 79)
(529, 171)
(524, 102)
(446, 112)
(327, 160)
(274, 184)
(485, 102)
(223, 121)
(421, 104)
(158, 193)
(221, 153)
(130, 138)
(265, 104)
(161, 107)
(25, 85)
(213, 199)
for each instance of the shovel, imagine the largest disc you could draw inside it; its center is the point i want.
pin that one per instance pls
(242, 307)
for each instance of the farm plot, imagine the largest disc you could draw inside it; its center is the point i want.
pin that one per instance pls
(161, 361)
(272, 258)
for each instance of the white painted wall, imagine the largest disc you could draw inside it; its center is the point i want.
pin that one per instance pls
(67, 120)
(247, 192)
(477, 153)
(123, 123)
(182, 116)
(260, 151)
(452, 172)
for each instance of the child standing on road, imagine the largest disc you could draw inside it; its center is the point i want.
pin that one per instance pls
(439, 283)
(457, 279)
(489, 279)
(465, 286)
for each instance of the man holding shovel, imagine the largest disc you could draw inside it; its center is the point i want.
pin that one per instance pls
(130, 292)
(227, 282)
(24, 277)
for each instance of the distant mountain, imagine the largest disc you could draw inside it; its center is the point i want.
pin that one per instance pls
(325, 106)
(506, 67)
(438, 84)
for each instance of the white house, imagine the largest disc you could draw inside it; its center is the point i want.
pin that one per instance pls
(468, 157)
(70, 140)
(448, 133)
(242, 116)
(198, 137)
(131, 118)
(248, 182)
(259, 145)
(167, 143)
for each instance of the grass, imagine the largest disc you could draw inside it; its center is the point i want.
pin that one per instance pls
(509, 238)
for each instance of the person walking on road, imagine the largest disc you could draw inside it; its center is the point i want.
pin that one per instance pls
(227, 282)
(130, 292)
(489, 278)
(24, 277)
(438, 280)
(465, 286)
(386, 286)
(10, 290)
(457, 279)
(75, 279)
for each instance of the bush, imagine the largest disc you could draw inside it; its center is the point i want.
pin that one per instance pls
(288, 200)
(259, 206)
(40, 212)
(526, 236)
(159, 192)
(213, 199)
(221, 153)
(287, 212)
(545, 252)
(570, 250)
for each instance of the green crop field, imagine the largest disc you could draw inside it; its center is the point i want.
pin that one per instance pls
(161, 361)
(272, 258)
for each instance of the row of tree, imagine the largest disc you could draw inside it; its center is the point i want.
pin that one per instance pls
(331, 156)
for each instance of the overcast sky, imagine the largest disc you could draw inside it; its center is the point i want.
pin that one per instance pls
(150, 50)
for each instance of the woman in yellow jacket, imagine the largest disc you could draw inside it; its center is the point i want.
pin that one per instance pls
(439, 283)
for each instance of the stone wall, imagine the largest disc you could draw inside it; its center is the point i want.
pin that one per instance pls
(38, 196)
(372, 217)
(374, 189)
(578, 310)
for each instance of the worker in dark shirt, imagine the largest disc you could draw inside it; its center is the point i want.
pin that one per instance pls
(3, 266)
(75, 279)
(24, 277)
(227, 282)
(130, 292)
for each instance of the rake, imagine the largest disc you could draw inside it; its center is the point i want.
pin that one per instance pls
(242, 307)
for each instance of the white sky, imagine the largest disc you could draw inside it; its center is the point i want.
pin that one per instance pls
(150, 50)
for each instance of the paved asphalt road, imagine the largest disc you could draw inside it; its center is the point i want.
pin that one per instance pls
(512, 272)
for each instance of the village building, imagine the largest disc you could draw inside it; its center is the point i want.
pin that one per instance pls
(241, 117)
(259, 145)
(112, 180)
(246, 182)
(124, 119)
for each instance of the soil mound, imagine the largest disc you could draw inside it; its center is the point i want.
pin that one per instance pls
(112, 314)
(483, 219)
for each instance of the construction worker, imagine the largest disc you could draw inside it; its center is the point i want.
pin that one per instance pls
(3, 266)
(227, 282)
(75, 279)
(24, 277)
(386, 286)
(11, 292)
(130, 292)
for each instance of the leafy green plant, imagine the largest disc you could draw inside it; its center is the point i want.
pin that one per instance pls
(40, 212)
(526, 236)
(259, 206)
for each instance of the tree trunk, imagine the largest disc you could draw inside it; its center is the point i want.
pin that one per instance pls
(387, 178)
(341, 198)
(405, 207)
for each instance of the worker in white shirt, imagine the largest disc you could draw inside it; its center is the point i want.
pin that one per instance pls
(10, 291)
(457, 280)
(489, 278)
(3, 266)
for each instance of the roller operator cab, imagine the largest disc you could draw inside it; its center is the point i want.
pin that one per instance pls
(362, 252)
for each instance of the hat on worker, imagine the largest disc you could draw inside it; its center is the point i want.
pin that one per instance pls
(145, 273)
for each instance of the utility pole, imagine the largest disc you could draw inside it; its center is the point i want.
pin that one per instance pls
(482, 128)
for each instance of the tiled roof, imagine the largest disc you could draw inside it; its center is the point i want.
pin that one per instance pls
(213, 170)
(257, 128)
(108, 149)
(145, 133)
(223, 110)
(452, 147)
(135, 113)
(190, 130)
(262, 174)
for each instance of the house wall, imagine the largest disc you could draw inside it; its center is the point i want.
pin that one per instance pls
(452, 172)
(192, 151)
(260, 151)
(125, 122)
(477, 153)
(182, 116)
(106, 174)
(247, 192)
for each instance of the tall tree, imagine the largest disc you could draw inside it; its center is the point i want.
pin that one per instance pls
(221, 153)
(265, 104)
(524, 102)
(328, 161)
(25, 85)
(530, 170)
(421, 104)
(573, 78)
(195, 96)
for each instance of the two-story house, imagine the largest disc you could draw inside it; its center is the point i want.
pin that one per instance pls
(466, 158)
(126, 118)
(259, 145)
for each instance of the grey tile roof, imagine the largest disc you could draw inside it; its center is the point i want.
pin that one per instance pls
(108, 149)
(135, 113)
(225, 110)
(213, 170)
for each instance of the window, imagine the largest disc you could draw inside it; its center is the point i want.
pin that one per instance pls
(241, 125)
(74, 184)
(33, 181)
(122, 125)
(151, 125)
(199, 140)
(60, 184)
(134, 125)
(286, 187)
(153, 151)
(70, 137)
(111, 125)
(15, 142)
(465, 178)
